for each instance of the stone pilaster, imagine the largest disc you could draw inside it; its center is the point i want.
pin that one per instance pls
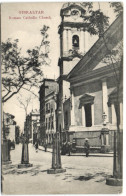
(92, 114)
(105, 97)
(72, 109)
(69, 40)
(113, 114)
(83, 116)
(64, 41)
(121, 116)
(81, 41)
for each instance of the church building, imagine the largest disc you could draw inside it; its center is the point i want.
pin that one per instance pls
(87, 83)
(73, 44)
(87, 80)
(93, 82)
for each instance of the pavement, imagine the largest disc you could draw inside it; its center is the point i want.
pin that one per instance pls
(110, 154)
(84, 175)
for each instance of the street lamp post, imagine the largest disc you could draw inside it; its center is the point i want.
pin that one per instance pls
(116, 179)
(105, 147)
(6, 159)
(25, 152)
(56, 156)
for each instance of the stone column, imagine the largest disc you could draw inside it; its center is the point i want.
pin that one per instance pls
(86, 41)
(81, 41)
(121, 115)
(62, 115)
(25, 154)
(5, 152)
(92, 113)
(105, 97)
(83, 116)
(64, 41)
(72, 109)
(69, 40)
(107, 139)
(102, 139)
(105, 147)
(55, 118)
(113, 114)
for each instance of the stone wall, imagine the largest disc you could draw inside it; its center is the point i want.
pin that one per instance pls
(98, 108)
(94, 89)
(93, 136)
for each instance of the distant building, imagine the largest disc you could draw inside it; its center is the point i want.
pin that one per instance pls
(47, 94)
(36, 131)
(17, 134)
(9, 126)
(33, 117)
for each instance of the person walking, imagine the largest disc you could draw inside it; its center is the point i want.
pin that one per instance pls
(45, 145)
(87, 147)
(63, 149)
(36, 146)
(69, 148)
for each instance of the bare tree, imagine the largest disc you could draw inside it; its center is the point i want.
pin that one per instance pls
(20, 72)
(24, 103)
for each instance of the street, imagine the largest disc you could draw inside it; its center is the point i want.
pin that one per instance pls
(84, 175)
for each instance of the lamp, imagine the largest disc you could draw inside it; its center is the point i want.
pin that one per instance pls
(104, 116)
(59, 110)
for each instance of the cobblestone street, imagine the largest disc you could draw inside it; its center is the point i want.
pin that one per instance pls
(83, 175)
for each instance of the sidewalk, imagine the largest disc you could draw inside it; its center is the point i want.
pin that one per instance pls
(43, 149)
(83, 175)
(81, 154)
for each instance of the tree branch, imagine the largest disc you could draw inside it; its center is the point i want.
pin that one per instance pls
(110, 58)
(30, 91)
(14, 93)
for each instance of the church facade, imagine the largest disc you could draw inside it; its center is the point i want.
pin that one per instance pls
(92, 82)
(87, 81)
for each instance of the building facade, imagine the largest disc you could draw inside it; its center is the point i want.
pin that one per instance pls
(48, 93)
(33, 117)
(87, 81)
(92, 81)
(9, 127)
(73, 46)
(17, 134)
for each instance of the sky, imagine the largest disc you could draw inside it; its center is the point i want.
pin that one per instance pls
(28, 33)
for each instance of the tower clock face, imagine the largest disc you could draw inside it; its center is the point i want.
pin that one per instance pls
(75, 13)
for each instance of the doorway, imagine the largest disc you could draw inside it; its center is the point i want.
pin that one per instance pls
(88, 116)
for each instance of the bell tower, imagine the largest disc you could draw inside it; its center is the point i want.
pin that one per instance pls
(72, 41)
(72, 36)
(72, 48)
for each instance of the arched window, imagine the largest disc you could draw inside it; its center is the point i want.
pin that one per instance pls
(75, 41)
